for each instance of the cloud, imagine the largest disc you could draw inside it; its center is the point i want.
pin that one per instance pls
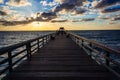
(111, 9)
(58, 20)
(88, 19)
(7, 10)
(69, 5)
(94, 3)
(44, 3)
(49, 15)
(79, 11)
(17, 19)
(18, 3)
(104, 18)
(116, 18)
(106, 3)
(2, 13)
(62, 1)
(1, 1)
(64, 6)
(12, 23)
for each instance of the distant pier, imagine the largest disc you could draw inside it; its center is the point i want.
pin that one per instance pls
(65, 56)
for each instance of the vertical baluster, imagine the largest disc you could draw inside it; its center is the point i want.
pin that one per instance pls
(82, 43)
(107, 61)
(28, 47)
(10, 61)
(38, 44)
(76, 40)
(47, 39)
(43, 41)
(90, 50)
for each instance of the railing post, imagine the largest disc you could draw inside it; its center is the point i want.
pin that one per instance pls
(76, 40)
(43, 41)
(90, 50)
(82, 43)
(28, 47)
(47, 39)
(107, 61)
(38, 44)
(10, 61)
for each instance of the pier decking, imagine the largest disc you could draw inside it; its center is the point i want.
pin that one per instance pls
(60, 59)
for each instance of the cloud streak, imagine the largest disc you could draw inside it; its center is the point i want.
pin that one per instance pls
(88, 19)
(59, 20)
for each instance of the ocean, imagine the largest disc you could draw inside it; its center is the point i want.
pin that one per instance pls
(8, 38)
(111, 38)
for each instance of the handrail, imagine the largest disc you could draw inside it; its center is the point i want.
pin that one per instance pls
(98, 44)
(27, 50)
(101, 51)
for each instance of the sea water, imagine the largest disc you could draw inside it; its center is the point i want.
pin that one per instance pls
(110, 38)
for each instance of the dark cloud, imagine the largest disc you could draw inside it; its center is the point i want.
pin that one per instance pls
(46, 16)
(88, 19)
(80, 11)
(74, 2)
(116, 18)
(105, 3)
(111, 9)
(49, 15)
(65, 6)
(12, 23)
(70, 5)
(105, 18)
(3, 13)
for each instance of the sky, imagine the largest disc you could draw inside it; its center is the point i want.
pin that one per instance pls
(19, 15)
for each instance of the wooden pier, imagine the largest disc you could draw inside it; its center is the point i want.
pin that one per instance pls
(60, 59)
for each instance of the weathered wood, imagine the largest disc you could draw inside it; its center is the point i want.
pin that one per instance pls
(61, 59)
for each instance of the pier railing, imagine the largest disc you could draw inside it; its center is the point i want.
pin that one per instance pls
(103, 55)
(12, 56)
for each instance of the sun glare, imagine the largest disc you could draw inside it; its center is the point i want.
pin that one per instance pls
(37, 24)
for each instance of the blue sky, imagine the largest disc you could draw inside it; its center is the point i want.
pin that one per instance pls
(16, 12)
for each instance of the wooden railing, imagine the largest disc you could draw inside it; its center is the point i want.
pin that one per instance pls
(13, 55)
(100, 53)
